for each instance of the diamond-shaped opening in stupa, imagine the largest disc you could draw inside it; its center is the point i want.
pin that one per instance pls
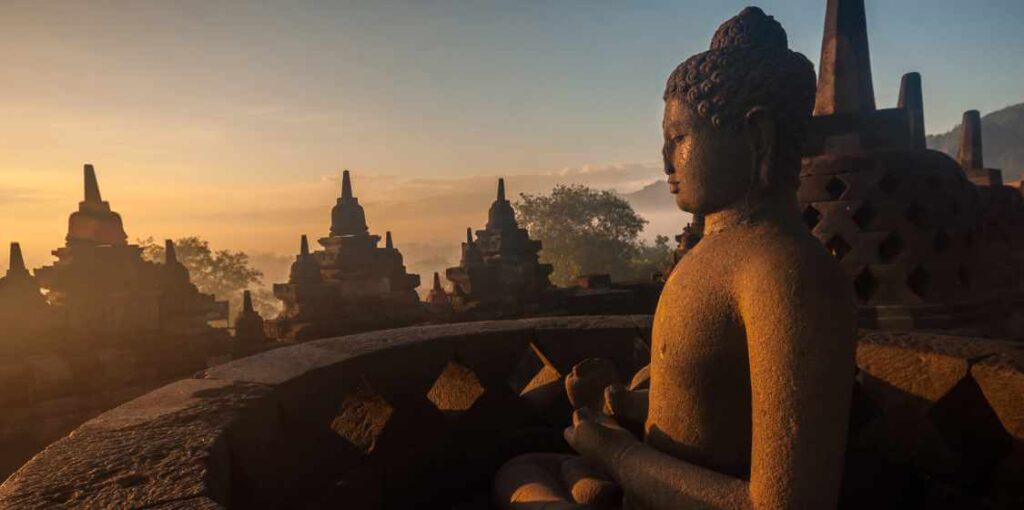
(811, 217)
(838, 247)
(456, 389)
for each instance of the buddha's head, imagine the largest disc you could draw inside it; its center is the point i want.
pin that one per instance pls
(735, 116)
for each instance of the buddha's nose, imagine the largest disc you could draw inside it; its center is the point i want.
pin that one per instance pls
(665, 156)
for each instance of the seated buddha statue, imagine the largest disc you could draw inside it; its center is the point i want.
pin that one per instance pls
(745, 403)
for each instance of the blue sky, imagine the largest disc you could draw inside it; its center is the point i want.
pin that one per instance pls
(240, 100)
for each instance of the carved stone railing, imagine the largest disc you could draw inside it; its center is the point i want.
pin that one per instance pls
(421, 417)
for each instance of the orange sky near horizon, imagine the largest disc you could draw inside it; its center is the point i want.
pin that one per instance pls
(231, 120)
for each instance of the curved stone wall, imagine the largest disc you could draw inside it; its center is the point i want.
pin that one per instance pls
(421, 417)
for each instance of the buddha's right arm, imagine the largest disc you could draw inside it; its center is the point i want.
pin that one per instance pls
(660, 481)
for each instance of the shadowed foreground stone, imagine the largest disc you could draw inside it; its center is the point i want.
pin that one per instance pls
(274, 431)
(163, 447)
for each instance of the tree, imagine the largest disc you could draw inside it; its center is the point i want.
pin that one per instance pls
(223, 273)
(587, 231)
(653, 259)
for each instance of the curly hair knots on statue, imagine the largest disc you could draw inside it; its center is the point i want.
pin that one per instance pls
(749, 65)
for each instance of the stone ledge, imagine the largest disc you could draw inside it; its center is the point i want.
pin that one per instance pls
(161, 447)
(192, 443)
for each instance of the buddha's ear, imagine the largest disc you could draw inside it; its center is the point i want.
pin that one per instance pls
(761, 134)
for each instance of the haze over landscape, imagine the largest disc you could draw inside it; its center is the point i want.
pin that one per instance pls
(232, 121)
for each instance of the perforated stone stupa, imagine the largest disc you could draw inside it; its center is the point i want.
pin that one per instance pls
(904, 221)
(499, 273)
(351, 285)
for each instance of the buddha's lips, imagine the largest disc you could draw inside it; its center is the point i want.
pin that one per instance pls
(673, 187)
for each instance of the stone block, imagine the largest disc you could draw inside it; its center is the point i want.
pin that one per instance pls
(275, 367)
(165, 446)
(925, 366)
(1001, 380)
(456, 389)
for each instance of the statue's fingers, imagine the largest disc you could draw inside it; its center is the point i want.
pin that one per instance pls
(613, 397)
(585, 413)
(569, 435)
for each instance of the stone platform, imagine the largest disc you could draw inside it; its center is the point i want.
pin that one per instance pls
(421, 417)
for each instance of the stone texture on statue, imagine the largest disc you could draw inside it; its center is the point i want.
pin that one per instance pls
(747, 404)
(351, 285)
(499, 273)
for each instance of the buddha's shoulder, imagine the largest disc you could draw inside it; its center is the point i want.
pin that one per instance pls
(791, 256)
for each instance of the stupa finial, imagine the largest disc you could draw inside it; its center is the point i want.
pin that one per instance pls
(970, 154)
(17, 261)
(346, 185)
(912, 100)
(844, 82)
(247, 302)
(347, 216)
(92, 187)
(170, 253)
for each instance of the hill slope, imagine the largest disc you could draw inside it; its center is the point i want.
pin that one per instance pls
(1002, 140)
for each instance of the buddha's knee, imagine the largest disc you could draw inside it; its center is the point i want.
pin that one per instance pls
(589, 486)
(542, 481)
(534, 482)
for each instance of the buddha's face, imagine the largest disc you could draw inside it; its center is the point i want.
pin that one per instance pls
(708, 168)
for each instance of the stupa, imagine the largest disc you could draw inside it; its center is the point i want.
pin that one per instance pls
(249, 324)
(686, 241)
(351, 285)
(18, 286)
(904, 221)
(499, 273)
(104, 289)
(26, 321)
(437, 295)
(183, 309)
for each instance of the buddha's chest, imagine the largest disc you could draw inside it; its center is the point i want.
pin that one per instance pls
(697, 325)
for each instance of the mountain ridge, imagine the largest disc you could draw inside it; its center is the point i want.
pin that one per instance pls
(1002, 134)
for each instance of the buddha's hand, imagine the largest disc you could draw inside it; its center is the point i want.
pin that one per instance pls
(586, 383)
(599, 439)
(616, 399)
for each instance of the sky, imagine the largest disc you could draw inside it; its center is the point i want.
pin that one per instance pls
(232, 119)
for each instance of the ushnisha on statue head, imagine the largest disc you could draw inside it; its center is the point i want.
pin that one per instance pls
(735, 116)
